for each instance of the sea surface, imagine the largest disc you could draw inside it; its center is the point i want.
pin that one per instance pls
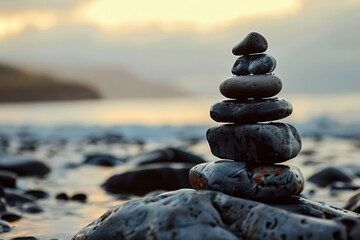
(329, 125)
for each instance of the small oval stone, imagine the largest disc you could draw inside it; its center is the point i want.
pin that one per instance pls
(256, 143)
(253, 43)
(250, 111)
(251, 86)
(256, 182)
(254, 64)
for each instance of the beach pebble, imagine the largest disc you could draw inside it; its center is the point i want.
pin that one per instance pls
(251, 86)
(253, 43)
(79, 197)
(24, 167)
(166, 155)
(31, 208)
(189, 214)
(24, 238)
(9, 216)
(254, 64)
(256, 143)
(102, 159)
(142, 180)
(37, 193)
(256, 182)
(353, 204)
(330, 175)
(8, 179)
(15, 197)
(5, 227)
(250, 111)
(62, 196)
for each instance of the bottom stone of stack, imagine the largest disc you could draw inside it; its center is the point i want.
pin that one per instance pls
(251, 181)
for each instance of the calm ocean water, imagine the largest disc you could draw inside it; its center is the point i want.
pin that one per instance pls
(179, 111)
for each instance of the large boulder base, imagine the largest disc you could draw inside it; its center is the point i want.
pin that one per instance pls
(194, 214)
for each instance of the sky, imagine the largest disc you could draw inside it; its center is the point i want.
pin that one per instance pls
(186, 43)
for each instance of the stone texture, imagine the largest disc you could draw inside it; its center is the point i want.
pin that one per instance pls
(256, 182)
(253, 43)
(250, 111)
(256, 143)
(142, 180)
(189, 214)
(254, 64)
(251, 86)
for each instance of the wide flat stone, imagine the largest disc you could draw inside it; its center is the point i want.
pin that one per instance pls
(253, 43)
(250, 111)
(256, 143)
(251, 181)
(251, 86)
(190, 214)
(254, 64)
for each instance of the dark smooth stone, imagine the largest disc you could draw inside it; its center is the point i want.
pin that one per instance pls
(24, 167)
(256, 182)
(250, 111)
(5, 227)
(142, 180)
(31, 208)
(256, 143)
(8, 179)
(251, 86)
(38, 194)
(353, 204)
(62, 196)
(101, 159)
(24, 238)
(253, 43)
(254, 64)
(189, 214)
(79, 197)
(166, 155)
(15, 197)
(9, 216)
(330, 175)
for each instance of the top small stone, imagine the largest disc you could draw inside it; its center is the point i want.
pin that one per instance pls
(253, 43)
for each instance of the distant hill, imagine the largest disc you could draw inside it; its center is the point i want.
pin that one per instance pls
(20, 86)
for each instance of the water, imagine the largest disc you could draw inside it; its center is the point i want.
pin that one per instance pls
(63, 129)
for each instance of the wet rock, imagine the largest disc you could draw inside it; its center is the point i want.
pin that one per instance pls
(142, 180)
(251, 86)
(9, 216)
(16, 197)
(353, 204)
(250, 111)
(32, 208)
(36, 193)
(5, 227)
(24, 167)
(62, 196)
(330, 175)
(79, 197)
(166, 155)
(212, 215)
(254, 64)
(24, 238)
(8, 179)
(253, 43)
(256, 182)
(101, 159)
(257, 143)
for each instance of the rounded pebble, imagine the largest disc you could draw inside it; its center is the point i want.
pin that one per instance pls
(253, 43)
(79, 197)
(256, 182)
(251, 86)
(250, 111)
(62, 196)
(254, 64)
(257, 143)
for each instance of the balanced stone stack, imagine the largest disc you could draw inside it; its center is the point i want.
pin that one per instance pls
(252, 143)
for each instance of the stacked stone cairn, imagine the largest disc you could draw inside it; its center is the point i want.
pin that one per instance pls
(253, 143)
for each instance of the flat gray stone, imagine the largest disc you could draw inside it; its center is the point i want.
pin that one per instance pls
(256, 143)
(251, 86)
(253, 43)
(250, 111)
(256, 182)
(189, 214)
(254, 64)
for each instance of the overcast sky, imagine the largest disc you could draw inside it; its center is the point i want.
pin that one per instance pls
(188, 43)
